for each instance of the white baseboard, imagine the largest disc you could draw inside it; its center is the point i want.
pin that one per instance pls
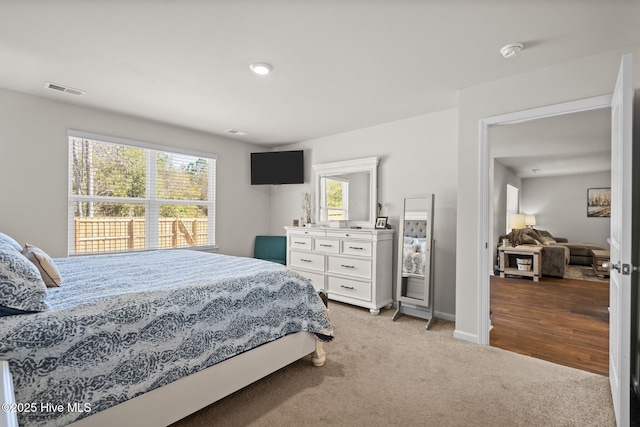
(446, 316)
(466, 336)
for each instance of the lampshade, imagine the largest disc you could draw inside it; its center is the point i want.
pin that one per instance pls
(516, 221)
(530, 220)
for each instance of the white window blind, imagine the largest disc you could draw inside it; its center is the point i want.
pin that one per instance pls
(127, 196)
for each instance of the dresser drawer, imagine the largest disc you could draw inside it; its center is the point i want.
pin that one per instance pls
(300, 242)
(349, 266)
(354, 247)
(351, 234)
(328, 246)
(308, 232)
(308, 260)
(317, 279)
(349, 288)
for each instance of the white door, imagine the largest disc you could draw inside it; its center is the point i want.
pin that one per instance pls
(620, 243)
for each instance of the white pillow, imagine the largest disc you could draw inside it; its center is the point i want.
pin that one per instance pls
(410, 247)
(44, 263)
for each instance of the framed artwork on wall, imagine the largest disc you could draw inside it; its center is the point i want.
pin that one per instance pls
(599, 202)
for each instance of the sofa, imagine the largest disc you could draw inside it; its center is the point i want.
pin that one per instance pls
(556, 252)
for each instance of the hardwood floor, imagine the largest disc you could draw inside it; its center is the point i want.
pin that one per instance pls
(564, 321)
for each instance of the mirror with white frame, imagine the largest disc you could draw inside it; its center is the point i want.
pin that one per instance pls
(415, 256)
(347, 192)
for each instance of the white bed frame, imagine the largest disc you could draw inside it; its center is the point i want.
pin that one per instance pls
(174, 401)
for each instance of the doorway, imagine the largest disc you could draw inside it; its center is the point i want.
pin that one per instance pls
(542, 169)
(486, 213)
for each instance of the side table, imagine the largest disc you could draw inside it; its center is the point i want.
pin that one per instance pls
(508, 265)
(600, 257)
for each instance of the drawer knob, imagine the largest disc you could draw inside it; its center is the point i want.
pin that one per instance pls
(347, 266)
(347, 287)
(355, 247)
(326, 246)
(305, 260)
(300, 243)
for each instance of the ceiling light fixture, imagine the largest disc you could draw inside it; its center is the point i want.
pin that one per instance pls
(511, 50)
(261, 68)
(236, 132)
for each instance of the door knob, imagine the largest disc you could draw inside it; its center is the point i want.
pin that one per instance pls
(611, 266)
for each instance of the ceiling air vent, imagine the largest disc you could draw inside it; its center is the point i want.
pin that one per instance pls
(65, 89)
(236, 132)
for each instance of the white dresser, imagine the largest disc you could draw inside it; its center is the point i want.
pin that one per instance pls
(350, 265)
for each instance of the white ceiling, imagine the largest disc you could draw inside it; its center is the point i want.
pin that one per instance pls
(338, 65)
(563, 145)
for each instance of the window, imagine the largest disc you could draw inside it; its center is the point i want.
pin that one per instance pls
(513, 203)
(127, 196)
(334, 202)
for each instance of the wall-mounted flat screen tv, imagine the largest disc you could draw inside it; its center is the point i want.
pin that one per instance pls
(277, 167)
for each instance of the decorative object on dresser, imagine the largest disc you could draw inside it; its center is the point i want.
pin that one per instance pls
(381, 222)
(351, 266)
(414, 284)
(306, 208)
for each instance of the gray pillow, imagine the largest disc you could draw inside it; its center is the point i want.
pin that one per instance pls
(21, 286)
(547, 240)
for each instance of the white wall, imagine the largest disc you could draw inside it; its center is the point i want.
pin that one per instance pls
(33, 170)
(560, 206)
(589, 77)
(417, 156)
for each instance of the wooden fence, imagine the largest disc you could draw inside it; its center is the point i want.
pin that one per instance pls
(126, 234)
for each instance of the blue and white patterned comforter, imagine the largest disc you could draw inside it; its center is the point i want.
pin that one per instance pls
(121, 325)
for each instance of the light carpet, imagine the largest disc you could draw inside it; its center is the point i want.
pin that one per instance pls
(382, 373)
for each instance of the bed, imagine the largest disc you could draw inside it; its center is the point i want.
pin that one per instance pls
(148, 338)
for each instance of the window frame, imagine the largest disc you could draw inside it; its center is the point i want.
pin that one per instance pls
(151, 201)
(324, 208)
(512, 203)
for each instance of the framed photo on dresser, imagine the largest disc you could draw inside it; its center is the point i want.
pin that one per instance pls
(381, 222)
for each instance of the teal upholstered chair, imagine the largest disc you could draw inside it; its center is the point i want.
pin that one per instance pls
(271, 248)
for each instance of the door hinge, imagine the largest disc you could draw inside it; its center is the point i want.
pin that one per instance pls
(627, 269)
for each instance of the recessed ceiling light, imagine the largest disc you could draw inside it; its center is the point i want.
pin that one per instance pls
(236, 132)
(511, 50)
(261, 68)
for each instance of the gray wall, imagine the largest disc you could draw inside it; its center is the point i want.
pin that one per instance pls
(417, 156)
(501, 177)
(560, 206)
(33, 170)
(585, 78)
